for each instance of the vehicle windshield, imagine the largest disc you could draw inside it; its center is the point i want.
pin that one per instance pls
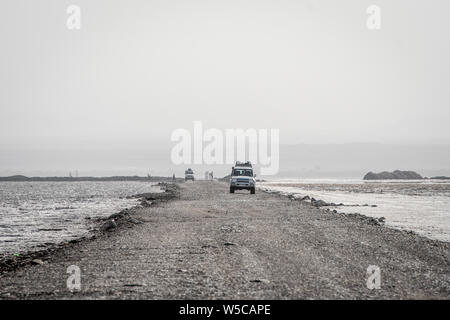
(243, 172)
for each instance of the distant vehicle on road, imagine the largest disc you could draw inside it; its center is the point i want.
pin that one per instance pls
(242, 177)
(189, 175)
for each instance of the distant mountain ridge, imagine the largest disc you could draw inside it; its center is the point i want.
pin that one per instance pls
(295, 160)
(20, 178)
(440, 178)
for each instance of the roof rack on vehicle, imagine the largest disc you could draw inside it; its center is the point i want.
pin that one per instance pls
(243, 164)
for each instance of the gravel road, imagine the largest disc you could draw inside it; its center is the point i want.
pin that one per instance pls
(210, 244)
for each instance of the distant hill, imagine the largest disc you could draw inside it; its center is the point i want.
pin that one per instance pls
(15, 178)
(396, 175)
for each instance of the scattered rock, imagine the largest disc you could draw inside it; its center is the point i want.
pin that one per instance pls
(37, 261)
(117, 215)
(134, 221)
(146, 203)
(206, 246)
(133, 285)
(260, 281)
(109, 225)
(319, 203)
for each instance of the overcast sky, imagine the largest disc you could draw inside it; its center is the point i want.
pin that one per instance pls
(138, 69)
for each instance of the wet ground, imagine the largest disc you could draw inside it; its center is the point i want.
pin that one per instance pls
(210, 244)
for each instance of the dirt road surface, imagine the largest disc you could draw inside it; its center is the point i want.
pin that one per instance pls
(210, 244)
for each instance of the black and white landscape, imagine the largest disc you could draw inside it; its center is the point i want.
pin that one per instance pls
(123, 125)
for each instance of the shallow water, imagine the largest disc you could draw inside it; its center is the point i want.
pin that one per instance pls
(36, 213)
(420, 206)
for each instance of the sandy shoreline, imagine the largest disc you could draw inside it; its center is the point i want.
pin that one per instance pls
(198, 241)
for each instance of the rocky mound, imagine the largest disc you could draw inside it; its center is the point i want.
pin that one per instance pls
(396, 175)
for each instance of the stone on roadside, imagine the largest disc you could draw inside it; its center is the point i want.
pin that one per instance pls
(109, 225)
(319, 203)
(37, 261)
(265, 281)
(134, 221)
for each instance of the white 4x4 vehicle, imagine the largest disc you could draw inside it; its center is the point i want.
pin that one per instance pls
(242, 177)
(189, 175)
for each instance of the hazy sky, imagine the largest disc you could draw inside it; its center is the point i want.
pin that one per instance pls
(138, 69)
